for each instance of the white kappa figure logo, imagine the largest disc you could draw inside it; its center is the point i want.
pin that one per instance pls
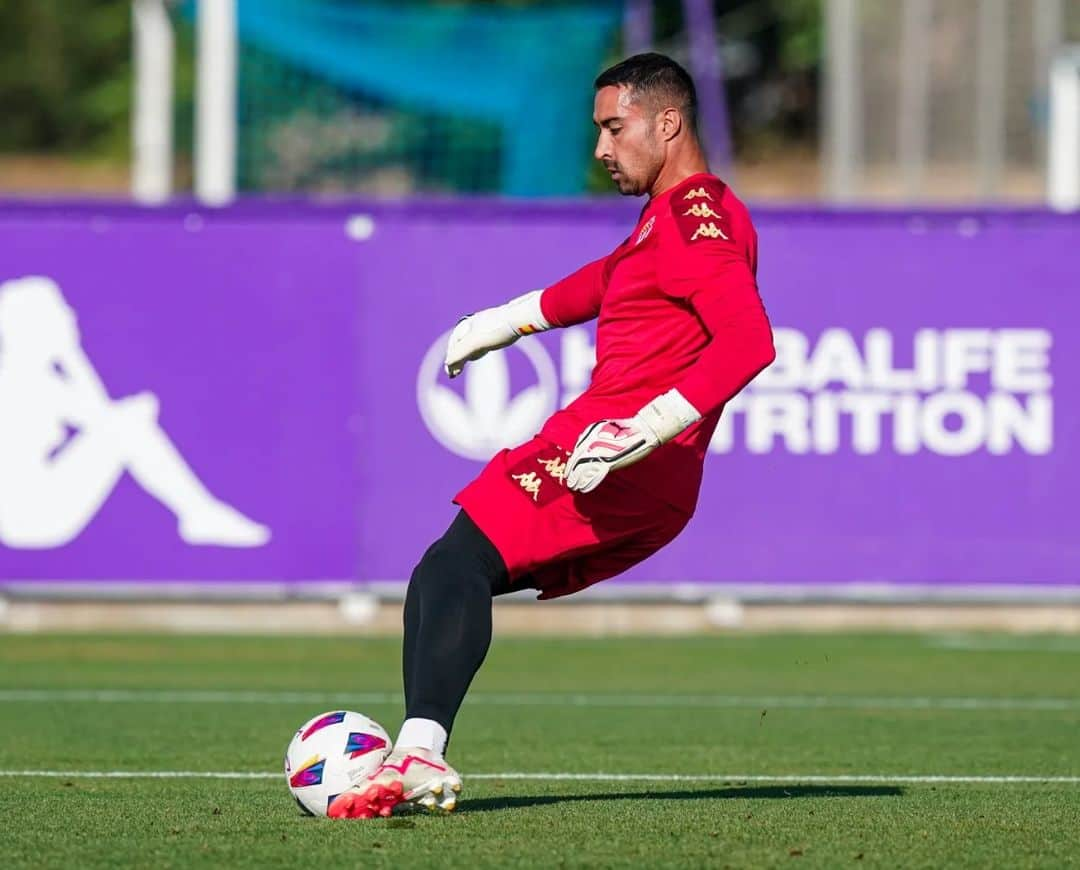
(64, 443)
(489, 417)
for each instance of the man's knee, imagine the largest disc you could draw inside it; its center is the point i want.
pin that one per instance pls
(444, 563)
(461, 557)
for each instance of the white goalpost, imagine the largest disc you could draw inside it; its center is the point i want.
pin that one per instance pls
(152, 121)
(215, 114)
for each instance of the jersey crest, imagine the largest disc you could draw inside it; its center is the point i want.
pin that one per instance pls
(645, 230)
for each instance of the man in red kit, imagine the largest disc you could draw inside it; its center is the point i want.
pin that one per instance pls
(614, 476)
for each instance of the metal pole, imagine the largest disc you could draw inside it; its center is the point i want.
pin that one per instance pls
(708, 75)
(914, 105)
(637, 26)
(1063, 165)
(215, 120)
(842, 110)
(1047, 36)
(152, 121)
(990, 69)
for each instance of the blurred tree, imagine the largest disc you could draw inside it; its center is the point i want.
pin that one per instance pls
(65, 75)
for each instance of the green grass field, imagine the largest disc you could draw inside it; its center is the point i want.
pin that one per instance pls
(793, 751)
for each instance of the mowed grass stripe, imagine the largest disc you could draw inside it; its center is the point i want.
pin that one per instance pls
(583, 777)
(526, 699)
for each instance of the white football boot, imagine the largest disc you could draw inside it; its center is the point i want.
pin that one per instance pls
(408, 775)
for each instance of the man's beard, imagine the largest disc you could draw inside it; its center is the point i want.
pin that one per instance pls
(624, 184)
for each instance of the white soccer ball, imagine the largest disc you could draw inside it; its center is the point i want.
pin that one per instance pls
(329, 753)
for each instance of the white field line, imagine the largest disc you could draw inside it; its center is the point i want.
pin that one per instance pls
(728, 778)
(525, 699)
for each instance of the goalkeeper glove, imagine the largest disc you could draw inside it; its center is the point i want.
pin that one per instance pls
(493, 328)
(612, 444)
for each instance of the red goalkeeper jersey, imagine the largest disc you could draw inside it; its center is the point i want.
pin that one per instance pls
(678, 306)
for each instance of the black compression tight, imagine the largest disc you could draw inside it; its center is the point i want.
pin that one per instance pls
(448, 620)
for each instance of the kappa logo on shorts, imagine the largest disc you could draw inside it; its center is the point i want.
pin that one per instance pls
(543, 486)
(530, 482)
(555, 467)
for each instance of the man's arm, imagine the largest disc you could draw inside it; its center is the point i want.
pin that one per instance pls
(710, 268)
(723, 294)
(574, 299)
(577, 297)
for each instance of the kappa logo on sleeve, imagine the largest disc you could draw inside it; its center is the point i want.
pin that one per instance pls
(709, 231)
(700, 209)
(700, 216)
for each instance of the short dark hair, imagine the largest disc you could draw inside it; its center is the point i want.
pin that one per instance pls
(658, 79)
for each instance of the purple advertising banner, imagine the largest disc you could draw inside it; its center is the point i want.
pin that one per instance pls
(917, 427)
(256, 394)
(195, 424)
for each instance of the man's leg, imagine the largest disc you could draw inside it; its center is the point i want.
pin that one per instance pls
(447, 629)
(447, 635)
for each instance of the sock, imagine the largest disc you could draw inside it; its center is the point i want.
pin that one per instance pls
(423, 734)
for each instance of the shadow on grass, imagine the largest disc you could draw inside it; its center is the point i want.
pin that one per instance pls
(771, 792)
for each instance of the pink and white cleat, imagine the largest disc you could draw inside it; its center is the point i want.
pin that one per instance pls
(409, 775)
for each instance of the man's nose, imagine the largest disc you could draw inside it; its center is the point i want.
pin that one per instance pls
(601, 151)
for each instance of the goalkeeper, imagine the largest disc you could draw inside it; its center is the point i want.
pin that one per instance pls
(614, 476)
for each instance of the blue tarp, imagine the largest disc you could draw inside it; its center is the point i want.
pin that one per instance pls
(529, 70)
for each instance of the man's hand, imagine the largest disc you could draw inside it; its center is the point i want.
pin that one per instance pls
(612, 444)
(492, 329)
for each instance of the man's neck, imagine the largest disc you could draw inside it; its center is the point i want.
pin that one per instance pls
(677, 173)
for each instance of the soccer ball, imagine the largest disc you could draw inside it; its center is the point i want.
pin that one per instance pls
(331, 752)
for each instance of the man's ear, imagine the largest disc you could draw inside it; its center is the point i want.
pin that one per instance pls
(670, 122)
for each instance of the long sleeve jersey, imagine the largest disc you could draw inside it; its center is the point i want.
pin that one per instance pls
(678, 306)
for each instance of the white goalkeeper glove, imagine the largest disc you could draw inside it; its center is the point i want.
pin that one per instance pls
(493, 328)
(612, 444)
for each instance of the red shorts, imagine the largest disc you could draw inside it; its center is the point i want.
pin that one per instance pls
(560, 541)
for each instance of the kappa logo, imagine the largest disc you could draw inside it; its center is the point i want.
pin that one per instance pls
(555, 467)
(530, 483)
(62, 456)
(699, 193)
(488, 417)
(645, 230)
(700, 209)
(709, 231)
